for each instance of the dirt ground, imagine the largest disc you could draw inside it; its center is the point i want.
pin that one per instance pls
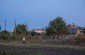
(19, 50)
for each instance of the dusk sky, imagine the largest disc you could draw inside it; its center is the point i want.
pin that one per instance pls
(38, 13)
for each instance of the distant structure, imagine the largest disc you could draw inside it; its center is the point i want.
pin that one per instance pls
(40, 31)
(83, 32)
(73, 29)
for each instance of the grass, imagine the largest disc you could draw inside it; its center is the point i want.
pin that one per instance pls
(6, 52)
(70, 48)
(38, 54)
(13, 52)
(34, 45)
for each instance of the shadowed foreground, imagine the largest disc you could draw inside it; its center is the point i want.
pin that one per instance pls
(19, 50)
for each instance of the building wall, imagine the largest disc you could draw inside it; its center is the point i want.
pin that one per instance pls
(39, 31)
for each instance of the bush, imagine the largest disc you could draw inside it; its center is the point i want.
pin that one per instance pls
(80, 39)
(4, 35)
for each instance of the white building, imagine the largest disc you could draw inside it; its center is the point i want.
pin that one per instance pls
(39, 31)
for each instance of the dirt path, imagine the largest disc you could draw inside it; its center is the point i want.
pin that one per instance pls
(19, 50)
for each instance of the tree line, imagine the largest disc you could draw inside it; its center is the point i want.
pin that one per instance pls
(55, 27)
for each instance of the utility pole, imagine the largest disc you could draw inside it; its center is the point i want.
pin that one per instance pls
(25, 29)
(15, 28)
(5, 25)
(0, 27)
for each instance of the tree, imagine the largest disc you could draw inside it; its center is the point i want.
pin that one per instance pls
(4, 35)
(56, 26)
(0, 27)
(83, 28)
(21, 29)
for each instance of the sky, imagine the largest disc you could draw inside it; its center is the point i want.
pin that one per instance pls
(38, 13)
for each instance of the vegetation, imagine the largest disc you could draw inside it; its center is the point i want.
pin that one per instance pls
(82, 28)
(80, 39)
(41, 50)
(38, 54)
(21, 29)
(4, 35)
(0, 27)
(55, 29)
(13, 53)
(35, 34)
(19, 32)
(56, 26)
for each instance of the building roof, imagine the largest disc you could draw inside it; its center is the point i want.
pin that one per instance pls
(72, 29)
(39, 30)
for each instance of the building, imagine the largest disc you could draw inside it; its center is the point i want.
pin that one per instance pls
(83, 32)
(73, 29)
(40, 31)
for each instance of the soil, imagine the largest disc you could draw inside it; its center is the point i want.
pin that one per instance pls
(19, 50)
